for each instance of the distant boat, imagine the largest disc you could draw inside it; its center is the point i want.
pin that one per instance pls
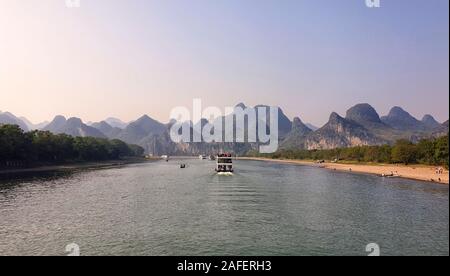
(202, 157)
(224, 164)
(391, 175)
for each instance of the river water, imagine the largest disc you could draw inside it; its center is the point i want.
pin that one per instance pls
(264, 209)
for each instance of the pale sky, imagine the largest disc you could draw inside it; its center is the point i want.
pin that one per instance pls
(126, 58)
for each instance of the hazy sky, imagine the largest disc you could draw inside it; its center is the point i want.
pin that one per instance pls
(125, 58)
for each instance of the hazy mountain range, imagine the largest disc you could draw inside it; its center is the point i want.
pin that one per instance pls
(73, 127)
(9, 118)
(361, 125)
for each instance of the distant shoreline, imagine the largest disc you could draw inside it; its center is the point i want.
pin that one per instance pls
(77, 166)
(414, 172)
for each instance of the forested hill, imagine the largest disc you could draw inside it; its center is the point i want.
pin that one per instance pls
(43, 147)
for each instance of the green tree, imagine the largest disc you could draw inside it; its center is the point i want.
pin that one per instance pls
(14, 144)
(426, 151)
(404, 152)
(441, 153)
(45, 147)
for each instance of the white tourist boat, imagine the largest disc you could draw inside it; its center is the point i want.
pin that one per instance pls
(224, 164)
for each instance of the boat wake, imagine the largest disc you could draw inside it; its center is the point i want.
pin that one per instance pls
(225, 173)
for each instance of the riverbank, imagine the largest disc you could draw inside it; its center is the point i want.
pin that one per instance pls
(77, 166)
(415, 172)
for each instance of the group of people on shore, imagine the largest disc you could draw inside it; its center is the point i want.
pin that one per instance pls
(439, 170)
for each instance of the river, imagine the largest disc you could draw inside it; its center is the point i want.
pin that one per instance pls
(264, 209)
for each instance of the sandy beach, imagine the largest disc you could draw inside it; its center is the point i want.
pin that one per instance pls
(416, 172)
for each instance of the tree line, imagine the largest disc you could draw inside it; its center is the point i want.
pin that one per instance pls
(427, 151)
(45, 147)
